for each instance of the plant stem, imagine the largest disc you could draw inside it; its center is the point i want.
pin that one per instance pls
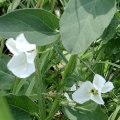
(70, 66)
(16, 82)
(28, 3)
(40, 4)
(68, 70)
(53, 5)
(2, 46)
(40, 90)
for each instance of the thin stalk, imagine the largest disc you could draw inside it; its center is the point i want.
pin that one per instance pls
(28, 3)
(2, 46)
(40, 4)
(67, 72)
(116, 74)
(53, 5)
(70, 66)
(40, 90)
(12, 4)
(16, 82)
(87, 66)
(60, 54)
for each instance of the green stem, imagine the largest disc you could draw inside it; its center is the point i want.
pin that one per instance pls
(88, 66)
(53, 5)
(40, 4)
(70, 66)
(40, 90)
(68, 70)
(11, 7)
(28, 3)
(16, 82)
(2, 46)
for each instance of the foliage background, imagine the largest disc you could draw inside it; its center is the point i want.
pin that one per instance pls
(101, 57)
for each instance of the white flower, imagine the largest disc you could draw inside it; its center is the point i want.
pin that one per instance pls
(92, 91)
(22, 63)
(68, 97)
(73, 88)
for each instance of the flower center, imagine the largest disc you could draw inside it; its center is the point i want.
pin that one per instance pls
(94, 91)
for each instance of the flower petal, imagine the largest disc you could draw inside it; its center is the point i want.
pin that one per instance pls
(11, 45)
(68, 97)
(19, 66)
(31, 56)
(107, 87)
(73, 88)
(97, 98)
(23, 45)
(98, 82)
(83, 93)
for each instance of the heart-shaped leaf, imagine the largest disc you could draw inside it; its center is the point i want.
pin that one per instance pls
(39, 26)
(84, 21)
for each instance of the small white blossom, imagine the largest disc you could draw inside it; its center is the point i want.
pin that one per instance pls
(73, 88)
(68, 97)
(22, 63)
(92, 91)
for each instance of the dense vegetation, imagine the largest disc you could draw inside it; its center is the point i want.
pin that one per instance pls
(75, 40)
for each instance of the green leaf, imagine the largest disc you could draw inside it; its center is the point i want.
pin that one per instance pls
(111, 30)
(20, 114)
(4, 59)
(84, 21)
(6, 78)
(75, 114)
(23, 102)
(4, 110)
(39, 26)
(22, 107)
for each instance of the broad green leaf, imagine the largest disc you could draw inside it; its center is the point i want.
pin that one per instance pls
(75, 114)
(4, 110)
(23, 102)
(4, 59)
(6, 78)
(39, 26)
(84, 21)
(20, 114)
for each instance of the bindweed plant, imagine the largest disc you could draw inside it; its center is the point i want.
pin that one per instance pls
(59, 60)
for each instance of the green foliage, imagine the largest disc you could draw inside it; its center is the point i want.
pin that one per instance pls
(4, 110)
(84, 21)
(76, 114)
(88, 43)
(6, 78)
(39, 26)
(114, 114)
(19, 114)
(23, 102)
